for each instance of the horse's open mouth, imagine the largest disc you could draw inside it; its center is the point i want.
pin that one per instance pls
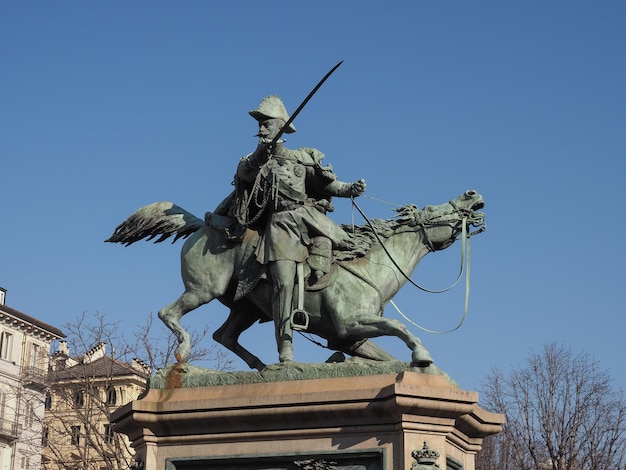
(479, 205)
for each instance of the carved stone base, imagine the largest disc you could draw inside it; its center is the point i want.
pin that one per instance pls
(406, 420)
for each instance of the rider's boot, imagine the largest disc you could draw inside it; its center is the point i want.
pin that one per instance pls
(283, 276)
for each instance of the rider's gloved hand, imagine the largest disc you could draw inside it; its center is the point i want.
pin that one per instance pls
(357, 188)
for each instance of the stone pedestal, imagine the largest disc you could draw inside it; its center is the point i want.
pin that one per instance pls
(405, 420)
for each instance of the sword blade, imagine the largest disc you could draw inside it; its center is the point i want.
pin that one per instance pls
(303, 104)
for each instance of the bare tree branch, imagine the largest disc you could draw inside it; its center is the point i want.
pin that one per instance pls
(104, 370)
(561, 414)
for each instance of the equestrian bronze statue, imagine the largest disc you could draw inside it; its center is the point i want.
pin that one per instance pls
(270, 252)
(345, 306)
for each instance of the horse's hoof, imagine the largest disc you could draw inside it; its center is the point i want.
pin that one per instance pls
(421, 358)
(336, 357)
(421, 364)
(182, 354)
(258, 365)
(285, 353)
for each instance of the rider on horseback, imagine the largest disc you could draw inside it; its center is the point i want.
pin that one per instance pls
(286, 194)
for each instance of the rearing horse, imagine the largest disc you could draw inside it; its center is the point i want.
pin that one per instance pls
(346, 312)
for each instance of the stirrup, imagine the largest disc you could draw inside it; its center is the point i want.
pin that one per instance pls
(299, 320)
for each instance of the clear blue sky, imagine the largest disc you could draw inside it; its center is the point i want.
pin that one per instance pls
(108, 106)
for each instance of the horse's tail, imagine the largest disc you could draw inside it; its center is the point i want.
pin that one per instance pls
(161, 219)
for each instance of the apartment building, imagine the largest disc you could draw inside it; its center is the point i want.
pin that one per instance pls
(82, 393)
(24, 349)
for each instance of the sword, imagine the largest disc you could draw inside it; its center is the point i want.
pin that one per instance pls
(302, 105)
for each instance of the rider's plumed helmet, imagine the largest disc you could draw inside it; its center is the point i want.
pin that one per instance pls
(271, 107)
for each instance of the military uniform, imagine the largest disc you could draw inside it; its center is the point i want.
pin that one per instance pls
(286, 192)
(298, 191)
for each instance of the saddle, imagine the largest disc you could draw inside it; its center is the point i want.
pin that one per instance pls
(318, 272)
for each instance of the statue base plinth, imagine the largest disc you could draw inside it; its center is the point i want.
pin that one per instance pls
(370, 422)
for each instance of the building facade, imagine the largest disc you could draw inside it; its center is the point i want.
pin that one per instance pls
(82, 393)
(24, 349)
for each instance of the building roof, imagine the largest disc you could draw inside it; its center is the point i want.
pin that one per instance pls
(51, 330)
(103, 367)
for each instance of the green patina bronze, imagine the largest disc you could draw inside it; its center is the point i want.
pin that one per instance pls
(269, 252)
(346, 308)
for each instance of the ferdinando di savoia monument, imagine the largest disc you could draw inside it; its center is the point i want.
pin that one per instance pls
(269, 252)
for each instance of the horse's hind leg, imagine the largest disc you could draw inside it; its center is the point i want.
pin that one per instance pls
(171, 316)
(228, 334)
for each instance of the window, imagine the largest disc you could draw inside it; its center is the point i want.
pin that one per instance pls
(6, 344)
(108, 434)
(25, 462)
(75, 437)
(35, 356)
(29, 414)
(47, 401)
(44, 436)
(111, 396)
(79, 399)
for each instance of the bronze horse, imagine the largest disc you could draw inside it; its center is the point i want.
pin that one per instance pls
(346, 312)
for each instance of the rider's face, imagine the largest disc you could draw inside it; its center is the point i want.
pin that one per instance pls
(269, 129)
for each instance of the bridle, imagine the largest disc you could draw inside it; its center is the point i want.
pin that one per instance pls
(467, 218)
(464, 216)
(415, 218)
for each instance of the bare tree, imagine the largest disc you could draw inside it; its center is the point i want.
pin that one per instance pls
(156, 346)
(95, 372)
(562, 413)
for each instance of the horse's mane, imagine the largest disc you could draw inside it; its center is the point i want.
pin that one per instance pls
(366, 235)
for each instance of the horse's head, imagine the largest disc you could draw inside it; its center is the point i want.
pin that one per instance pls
(443, 224)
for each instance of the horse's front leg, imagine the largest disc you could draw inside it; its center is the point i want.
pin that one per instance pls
(171, 316)
(366, 350)
(372, 326)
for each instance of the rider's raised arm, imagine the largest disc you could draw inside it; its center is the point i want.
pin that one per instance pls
(326, 180)
(250, 164)
(247, 170)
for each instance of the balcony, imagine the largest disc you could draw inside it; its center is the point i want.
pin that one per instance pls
(34, 377)
(8, 429)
